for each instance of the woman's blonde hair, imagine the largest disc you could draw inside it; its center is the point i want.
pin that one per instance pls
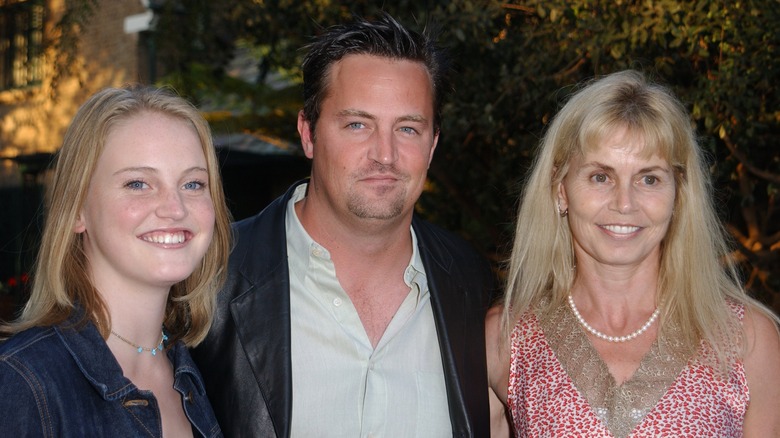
(697, 277)
(61, 277)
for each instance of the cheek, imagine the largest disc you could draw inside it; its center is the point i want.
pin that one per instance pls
(665, 208)
(133, 210)
(114, 213)
(583, 203)
(203, 210)
(418, 158)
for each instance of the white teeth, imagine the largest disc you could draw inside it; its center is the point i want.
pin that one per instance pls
(167, 238)
(620, 229)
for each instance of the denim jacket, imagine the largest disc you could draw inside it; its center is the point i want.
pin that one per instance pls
(64, 382)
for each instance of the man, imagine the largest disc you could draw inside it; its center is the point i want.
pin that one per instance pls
(344, 314)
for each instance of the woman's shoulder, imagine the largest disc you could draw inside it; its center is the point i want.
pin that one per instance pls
(33, 354)
(30, 362)
(28, 342)
(762, 360)
(759, 323)
(24, 381)
(761, 329)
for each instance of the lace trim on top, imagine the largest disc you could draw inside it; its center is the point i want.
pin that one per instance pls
(620, 407)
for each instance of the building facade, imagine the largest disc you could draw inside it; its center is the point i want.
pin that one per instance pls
(54, 58)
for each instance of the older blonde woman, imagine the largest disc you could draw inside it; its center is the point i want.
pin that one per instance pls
(136, 239)
(619, 317)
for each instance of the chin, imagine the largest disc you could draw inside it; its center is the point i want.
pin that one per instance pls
(386, 211)
(171, 277)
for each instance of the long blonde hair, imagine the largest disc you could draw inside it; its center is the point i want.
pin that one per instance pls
(696, 278)
(61, 278)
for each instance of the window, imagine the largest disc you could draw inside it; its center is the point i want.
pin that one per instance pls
(21, 43)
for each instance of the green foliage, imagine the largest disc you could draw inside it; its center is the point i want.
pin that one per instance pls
(516, 64)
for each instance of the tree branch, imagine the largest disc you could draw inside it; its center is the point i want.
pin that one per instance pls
(769, 176)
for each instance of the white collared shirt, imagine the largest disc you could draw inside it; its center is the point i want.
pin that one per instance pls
(344, 387)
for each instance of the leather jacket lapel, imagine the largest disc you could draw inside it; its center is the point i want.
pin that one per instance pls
(457, 285)
(262, 314)
(448, 313)
(262, 318)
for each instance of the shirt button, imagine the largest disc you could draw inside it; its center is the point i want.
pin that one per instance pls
(337, 302)
(188, 397)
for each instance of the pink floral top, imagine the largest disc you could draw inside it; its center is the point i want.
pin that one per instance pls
(560, 387)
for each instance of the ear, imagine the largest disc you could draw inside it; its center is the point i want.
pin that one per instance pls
(563, 199)
(78, 225)
(433, 148)
(304, 130)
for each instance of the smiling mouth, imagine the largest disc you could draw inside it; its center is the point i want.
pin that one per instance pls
(621, 229)
(165, 238)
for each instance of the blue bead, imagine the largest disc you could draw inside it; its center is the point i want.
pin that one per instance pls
(154, 352)
(140, 349)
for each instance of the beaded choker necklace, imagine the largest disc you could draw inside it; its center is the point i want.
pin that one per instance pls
(141, 349)
(608, 338)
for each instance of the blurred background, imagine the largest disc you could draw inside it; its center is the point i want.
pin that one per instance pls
(516, 62)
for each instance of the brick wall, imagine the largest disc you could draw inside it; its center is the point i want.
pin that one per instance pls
(30, 120)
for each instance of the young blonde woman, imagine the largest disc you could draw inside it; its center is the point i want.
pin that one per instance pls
(134, 247)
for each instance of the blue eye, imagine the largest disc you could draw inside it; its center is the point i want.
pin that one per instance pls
(194, 185)
(355, 125)
(136, 185)
(650, 179)
(600, 178)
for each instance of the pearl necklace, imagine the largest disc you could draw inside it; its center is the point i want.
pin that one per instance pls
(608, 338)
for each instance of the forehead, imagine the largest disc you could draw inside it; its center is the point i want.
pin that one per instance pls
(619, 148)
(362, 77)
(622, 141)
(152, 137)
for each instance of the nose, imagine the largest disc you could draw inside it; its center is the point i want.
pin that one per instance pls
(624, 198)
(383, 149)
(171, 205)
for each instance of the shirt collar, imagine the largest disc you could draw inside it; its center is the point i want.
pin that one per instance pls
(414, 275)
(300, 246)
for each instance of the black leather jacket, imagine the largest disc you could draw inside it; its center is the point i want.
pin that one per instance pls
(245, 359)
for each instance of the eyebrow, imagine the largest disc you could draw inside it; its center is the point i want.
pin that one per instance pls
(149, 169)
(598, 165)
(417, 118)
